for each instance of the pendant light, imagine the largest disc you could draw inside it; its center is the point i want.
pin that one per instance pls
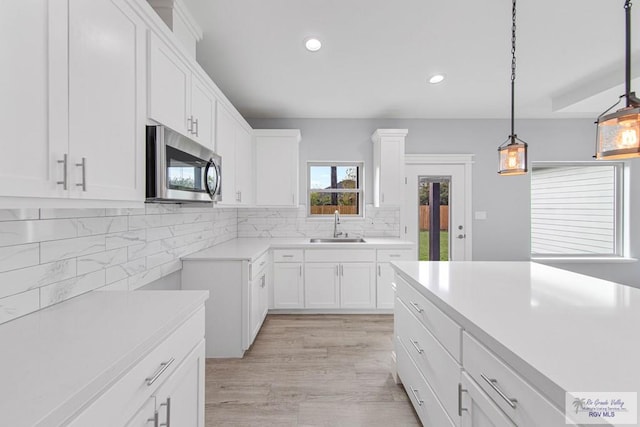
(618, 135)
(513, 152)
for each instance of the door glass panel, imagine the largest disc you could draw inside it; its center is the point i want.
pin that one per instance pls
(184, 171)
(433, 216)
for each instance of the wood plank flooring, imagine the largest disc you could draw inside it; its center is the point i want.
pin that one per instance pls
(310, 370)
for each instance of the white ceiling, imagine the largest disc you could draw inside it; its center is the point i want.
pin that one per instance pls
(378, 54)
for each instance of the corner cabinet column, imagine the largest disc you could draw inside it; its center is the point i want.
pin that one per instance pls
(388, 166)
(277, 166)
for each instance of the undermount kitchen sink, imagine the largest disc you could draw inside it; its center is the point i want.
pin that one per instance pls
(338, 240)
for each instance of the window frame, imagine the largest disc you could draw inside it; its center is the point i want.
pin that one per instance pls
(620, 214)
(359, 190)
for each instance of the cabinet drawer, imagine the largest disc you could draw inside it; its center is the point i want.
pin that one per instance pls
(439, 324)
(531, 408)
(387, 255)
(426, 404)
(257, 267)
(131, 391)
(288, 255)
(340, 255)
(437, 366)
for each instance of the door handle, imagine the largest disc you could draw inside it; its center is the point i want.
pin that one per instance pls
(461, 236)
(83, 165)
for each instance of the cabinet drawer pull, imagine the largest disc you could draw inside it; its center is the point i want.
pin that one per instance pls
(287, 256)
(394, 255)
(494, 385)
(417, 396)
(168, 405)
(460, 391)
(163, 367)
(416, 345)
(416, 307)
(64, 172)
(263, 263)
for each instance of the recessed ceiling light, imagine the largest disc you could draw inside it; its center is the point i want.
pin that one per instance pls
(436, 78)
(312, 44)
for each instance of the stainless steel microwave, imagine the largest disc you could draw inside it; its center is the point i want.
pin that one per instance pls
(179, 170)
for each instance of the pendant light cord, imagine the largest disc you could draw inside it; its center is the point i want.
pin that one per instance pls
(513, 69)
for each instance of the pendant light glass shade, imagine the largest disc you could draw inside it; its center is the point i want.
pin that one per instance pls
(619, 135)
(513, 157)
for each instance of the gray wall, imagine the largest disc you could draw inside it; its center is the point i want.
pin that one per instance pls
(504, 235)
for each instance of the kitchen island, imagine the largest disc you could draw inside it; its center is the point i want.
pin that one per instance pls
(547, 331)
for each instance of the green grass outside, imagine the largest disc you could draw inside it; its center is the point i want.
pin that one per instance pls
(424, 246)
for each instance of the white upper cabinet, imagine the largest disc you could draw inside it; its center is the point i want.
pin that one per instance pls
(277, 166)
(29, 153)
(388, 166)
(177, 97)
(235, 144)
(106, 85)
(226, 147)
(244, 165)
(72, 83)
(169, 80)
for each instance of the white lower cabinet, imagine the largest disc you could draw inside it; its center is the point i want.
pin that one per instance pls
(322, 285)
(168, 384)
(385, 274)
(288, 285)
(178, 399)
(340, 279)
(476, 407)
(238, 304)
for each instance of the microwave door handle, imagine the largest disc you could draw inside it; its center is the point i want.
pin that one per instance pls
(219, 180)
(206, 178)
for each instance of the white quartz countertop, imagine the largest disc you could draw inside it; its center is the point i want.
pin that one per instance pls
(562, 331)
(251, 248)
(51, 361)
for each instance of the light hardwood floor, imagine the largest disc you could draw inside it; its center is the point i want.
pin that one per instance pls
(311, 370)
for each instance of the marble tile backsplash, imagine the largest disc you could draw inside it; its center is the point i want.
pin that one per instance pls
(50, 255)
(272, 222)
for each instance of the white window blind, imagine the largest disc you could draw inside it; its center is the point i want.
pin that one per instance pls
(575, 209)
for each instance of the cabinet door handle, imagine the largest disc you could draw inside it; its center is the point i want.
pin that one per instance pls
(263, 281)
(494, 385)
(64, 173)
(190, 124)
(394, 255)
(300, 270)
(417, 396)
(416, 345)
(341, 270)
(83, 165)
(168, 405)
(238, 196)
(416, 307)
(196, 126)
(163, 367)
(154, 419)
(287, 256)
(379, 271)
(460, 391)
(382, 197)
(338, 270)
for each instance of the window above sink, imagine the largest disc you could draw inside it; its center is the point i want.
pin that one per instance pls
(335, 186)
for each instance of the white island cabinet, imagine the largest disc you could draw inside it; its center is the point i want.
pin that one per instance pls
(106, 359)
(502, 343)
